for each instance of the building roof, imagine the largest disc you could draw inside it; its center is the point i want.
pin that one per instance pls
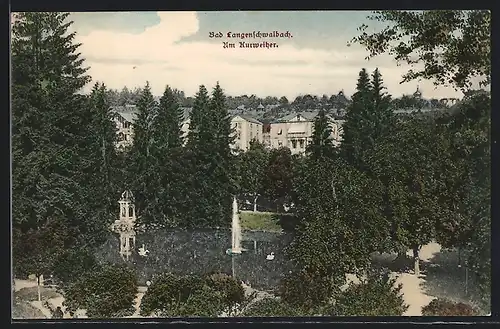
(306, 115)
(128, 116)
(248, 118)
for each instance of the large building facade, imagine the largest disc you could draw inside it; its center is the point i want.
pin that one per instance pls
(124, 117)
(245, 130)
(293, 131)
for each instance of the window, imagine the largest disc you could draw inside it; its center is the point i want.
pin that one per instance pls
(280, 131)
(301, 142)
(280, 143)
(294, 143)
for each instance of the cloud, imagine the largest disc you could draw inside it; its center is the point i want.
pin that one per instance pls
(161, 55)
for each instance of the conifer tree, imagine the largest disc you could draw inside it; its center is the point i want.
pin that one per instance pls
(169, 120)
(198, 149)
(368, 118)
(383, 115)
(225, 168)
(321, 144)
(357, 121)
(107, 180)
(167, 143)
(198, 119)
(143, 174)
(52, 155)
(211, 160)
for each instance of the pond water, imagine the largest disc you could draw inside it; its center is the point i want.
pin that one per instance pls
(204, 251)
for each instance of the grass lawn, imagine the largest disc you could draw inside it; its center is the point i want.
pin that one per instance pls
(259, 221)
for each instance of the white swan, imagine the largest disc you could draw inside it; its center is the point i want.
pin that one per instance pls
(142, 251)
(270, 256)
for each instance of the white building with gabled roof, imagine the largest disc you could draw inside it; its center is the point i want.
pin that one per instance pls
(295, 131)
(245, 130)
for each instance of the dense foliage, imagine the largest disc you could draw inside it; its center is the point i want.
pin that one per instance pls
(105, 292)
(453, 46)
(442, 307)
(377, 295)
(271, 306)
(171, 295)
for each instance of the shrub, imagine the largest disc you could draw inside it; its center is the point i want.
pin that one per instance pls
(171, 295)
(443, 307)
(375, 296)
(206, 302)
(73, 264)
(306, 291)
(271, 306)
(109, 291)
(232, 291)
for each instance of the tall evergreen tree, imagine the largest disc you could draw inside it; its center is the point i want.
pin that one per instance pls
(225, 167)
(166, 148)
(107, 180)
(199, 161)
(143, 173)
(198, 119)
(382, 115)
(52, 158)
(168, 122)
(209, 150)
(322, 144)
(368, 118)
(356, 121)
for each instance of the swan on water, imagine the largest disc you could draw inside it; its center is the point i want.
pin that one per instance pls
(143, 251)
(270, 256)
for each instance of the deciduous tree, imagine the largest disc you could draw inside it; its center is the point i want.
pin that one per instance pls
(451, 46)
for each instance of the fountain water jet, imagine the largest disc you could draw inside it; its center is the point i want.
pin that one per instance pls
(236, 230)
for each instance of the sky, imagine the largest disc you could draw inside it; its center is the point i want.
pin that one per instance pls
(174, 48)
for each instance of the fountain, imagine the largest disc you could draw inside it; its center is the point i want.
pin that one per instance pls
(235, 231)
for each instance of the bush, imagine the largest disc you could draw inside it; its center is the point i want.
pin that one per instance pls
(171, 295)
(73, 264)
(271, 306)
(306, 291)
(232, 291)
(206, 302)
(443, 307)
(375, 296)
(109, 291)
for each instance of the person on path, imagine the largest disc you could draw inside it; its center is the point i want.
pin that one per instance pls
(58, 313)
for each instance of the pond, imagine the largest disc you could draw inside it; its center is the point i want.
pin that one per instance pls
(204, 251)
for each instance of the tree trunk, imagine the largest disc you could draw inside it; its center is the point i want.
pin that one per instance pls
(255, 203)
(416, 260)
(39, 289)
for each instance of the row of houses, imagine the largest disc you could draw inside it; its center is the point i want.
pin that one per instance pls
(293, 131)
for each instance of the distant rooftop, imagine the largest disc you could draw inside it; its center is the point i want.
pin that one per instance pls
(248, 118)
